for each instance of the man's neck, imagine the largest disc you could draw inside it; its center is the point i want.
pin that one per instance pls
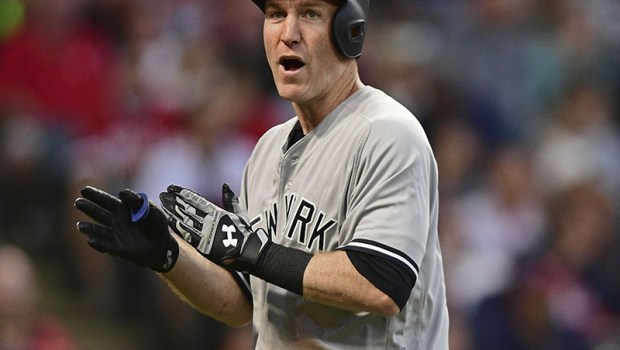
(311, 114)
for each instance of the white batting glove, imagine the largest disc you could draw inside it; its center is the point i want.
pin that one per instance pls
(222, 236)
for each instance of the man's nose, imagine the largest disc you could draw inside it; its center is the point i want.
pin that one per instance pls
(291, 33)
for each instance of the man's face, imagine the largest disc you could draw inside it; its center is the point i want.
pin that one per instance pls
(303, 60)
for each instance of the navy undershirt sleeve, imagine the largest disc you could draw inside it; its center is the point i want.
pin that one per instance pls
(390, 277)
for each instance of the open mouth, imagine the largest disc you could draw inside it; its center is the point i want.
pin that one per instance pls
(291, 64)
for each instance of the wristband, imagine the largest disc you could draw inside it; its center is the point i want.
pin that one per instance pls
(283, 266)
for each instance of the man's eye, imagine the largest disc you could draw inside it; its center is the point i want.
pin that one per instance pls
(312, 14)
(276, 15)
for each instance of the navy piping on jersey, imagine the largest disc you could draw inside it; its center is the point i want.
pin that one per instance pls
(388, 269)
(376, 248)
(390, 277)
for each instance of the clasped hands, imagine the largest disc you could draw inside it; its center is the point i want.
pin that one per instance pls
(131, 227)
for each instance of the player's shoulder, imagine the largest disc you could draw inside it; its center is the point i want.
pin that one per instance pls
(375, 104)
(385, 118)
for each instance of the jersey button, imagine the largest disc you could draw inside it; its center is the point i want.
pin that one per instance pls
(288, 185)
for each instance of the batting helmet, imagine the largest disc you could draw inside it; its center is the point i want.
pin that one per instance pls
(348, 26)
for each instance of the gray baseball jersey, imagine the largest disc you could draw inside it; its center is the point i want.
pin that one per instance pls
(365, 177)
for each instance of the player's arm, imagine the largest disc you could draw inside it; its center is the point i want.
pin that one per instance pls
(224, 237)
(208, 287)
(332, 279)
(132, 228)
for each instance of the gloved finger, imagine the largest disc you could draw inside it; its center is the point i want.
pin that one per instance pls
(131, 199)
(173, 224)
(138, 204)
(230, 200)
(99, 237)
(174, 188)
(188, 234)
(192, 198)
(231, 203)
(104, 245)
(167, 208)
(101, 198)
(175, 205)
(96, 212)
(168, 203)
(94, 230)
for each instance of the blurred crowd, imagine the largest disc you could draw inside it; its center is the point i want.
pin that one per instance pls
(520, 99)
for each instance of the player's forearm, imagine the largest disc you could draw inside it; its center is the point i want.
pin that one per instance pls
(331, 279)
(208, 288)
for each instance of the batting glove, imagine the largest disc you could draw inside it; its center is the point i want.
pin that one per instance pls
(129, 227)
(222, 236)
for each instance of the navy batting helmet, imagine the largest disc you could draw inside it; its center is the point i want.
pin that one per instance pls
(348, 26)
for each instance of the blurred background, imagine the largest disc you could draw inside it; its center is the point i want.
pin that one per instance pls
(520, 99)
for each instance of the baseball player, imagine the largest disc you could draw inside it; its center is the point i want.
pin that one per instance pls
(333, 242)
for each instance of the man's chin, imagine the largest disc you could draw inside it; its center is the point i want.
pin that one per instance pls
(291, 93)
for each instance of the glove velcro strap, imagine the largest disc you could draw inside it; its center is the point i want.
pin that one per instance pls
(169, 259)
(283, 266)
(255, 247)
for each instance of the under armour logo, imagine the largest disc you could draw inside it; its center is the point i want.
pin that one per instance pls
(229, 240)
(169, 260)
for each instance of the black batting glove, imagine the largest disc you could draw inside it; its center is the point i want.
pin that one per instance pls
(129, 227)
(222, 236)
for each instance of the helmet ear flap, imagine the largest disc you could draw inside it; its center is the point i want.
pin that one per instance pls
(349, 27)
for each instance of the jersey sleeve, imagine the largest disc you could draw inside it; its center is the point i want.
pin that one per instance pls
(390, 193)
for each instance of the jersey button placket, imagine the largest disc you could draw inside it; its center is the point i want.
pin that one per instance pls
(288, 163)
(284, 171)
(286, 174)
